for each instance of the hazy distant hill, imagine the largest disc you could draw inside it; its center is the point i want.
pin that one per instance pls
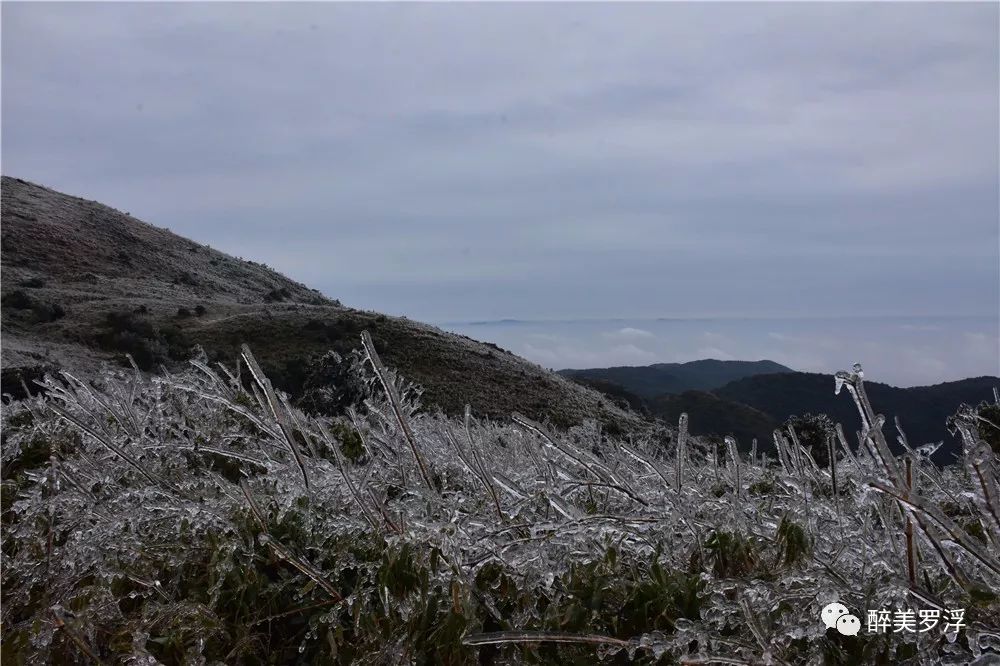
(652, 380)
(84, 283)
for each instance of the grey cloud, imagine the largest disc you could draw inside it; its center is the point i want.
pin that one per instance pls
(471, 161)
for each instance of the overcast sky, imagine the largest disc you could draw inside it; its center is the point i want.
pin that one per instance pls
(462, 162)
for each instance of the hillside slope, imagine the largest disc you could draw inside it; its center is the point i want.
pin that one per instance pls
(653, 380)
(708, 414)
(84, 283)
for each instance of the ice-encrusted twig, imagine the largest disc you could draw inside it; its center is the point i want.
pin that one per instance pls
(301, 565)
(831, 452)
(499, 637)
(476, 468)
(283, 553)
(338, 456)
(596, 469)
(682, 435)
(60, 620)
(871, 424)
(106, 441)
(397, 410)
(628, 450)
(484, 474)
(957, 534)
(980, 462)
(911, 549)
(278, 411)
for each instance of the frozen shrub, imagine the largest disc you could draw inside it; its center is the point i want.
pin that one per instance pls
(814, 432)
(18, 300)
(41, 311)
(148, 345)
(21, 382)
(200, 518)
(186, 278)
(332, 384)
(278, 295)
(45, 312)
(986, 421)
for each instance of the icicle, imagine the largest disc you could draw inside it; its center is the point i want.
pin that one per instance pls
(682, 434)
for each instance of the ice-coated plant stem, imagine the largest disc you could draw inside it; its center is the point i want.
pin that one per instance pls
(911, 551)
(682, 435)
(277, 410)
(397, 410)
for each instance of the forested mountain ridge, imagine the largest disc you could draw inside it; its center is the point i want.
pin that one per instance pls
(922, 410)
(754, 406)
(654, 380)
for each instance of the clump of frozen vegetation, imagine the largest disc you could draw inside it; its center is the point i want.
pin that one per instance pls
(199, 518)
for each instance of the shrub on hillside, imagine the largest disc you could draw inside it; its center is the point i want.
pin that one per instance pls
(186, 278)
(18, 300)
(41, 311)
(278, 295)
(22, 382)
(148, 344)
(332, 384)
(813, 432)
(46, 312)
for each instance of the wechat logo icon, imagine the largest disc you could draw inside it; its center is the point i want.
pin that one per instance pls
(836, 616)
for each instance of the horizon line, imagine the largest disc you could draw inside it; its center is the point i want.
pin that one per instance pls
(578, 320)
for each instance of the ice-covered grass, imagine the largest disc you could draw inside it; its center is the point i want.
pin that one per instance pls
(200, 518)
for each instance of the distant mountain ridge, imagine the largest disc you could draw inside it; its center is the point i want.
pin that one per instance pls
(922, 410)
(754, 405)
(654, 380)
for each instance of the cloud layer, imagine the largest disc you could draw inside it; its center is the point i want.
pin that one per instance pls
(894, 350)
(456, 161)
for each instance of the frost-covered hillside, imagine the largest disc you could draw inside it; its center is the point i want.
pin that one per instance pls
(85, 284)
